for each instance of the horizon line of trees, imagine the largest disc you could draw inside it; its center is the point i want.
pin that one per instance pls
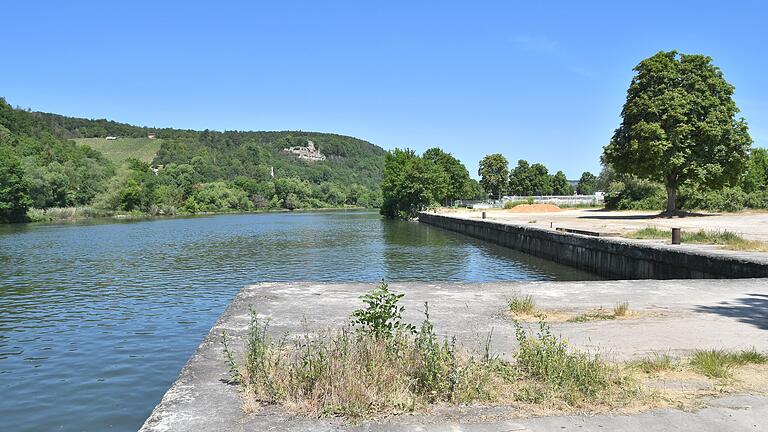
(528, 179)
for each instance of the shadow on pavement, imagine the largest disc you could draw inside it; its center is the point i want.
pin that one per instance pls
(752, 309)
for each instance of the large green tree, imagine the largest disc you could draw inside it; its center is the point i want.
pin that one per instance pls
(756, 176)
(14, 188)
(540, 180)
(679, 125)
(410, 184)
(560, 184)
(587, 184)
(494, 172)
(457, 173)
(520, 179)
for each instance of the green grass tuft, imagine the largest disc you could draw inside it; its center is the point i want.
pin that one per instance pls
(621, 309)
(522, 304)
(718, 363)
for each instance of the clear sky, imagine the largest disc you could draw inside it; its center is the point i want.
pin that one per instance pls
(542, 81)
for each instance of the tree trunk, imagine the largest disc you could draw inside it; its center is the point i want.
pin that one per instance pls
(671, 198)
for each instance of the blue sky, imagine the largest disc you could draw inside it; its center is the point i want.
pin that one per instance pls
(543, 81)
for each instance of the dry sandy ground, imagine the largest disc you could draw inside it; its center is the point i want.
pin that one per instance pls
(751, 225)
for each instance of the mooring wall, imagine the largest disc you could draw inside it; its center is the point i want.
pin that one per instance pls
(608, 257)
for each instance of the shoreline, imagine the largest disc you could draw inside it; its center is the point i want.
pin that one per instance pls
(139, 217)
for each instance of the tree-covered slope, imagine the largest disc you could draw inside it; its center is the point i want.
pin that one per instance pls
(182, 170)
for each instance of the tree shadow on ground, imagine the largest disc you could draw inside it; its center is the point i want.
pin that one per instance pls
(662, 215)
(752, 309)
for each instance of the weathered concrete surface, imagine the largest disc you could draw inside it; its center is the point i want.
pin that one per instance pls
(616, 258)
(689, 314)
(752, 224)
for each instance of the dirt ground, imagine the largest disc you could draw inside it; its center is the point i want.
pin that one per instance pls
(749, 224)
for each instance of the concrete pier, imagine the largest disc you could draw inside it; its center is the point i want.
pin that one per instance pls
(680, 316)
(614, 258)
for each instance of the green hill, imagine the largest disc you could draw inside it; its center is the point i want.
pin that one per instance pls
(121, 149)
(68, 161)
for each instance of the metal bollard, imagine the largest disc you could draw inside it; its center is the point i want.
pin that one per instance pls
(483, 215)
(676, 236)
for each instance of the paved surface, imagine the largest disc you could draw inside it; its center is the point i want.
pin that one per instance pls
(751, 224)
(689, 314)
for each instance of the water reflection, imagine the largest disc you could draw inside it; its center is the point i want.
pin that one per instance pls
(97, 318)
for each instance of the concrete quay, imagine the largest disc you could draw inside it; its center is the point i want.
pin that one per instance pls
(676, 316)
(610, 257)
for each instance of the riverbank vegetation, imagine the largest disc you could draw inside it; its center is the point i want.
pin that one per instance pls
(170, 171)
(412, 183)
(380, 365)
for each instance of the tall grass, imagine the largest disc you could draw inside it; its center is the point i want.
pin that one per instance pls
(719, 363)
(356, 373)
(728, 239)
(566, 375)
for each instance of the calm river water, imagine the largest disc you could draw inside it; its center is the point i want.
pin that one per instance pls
(97, 318)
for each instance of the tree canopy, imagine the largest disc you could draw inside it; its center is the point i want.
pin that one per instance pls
(679, 125)
(14, 188)
(494, 174)
(560, 184)
(412, 182)
(458, 176)
(193, 171)
(587, 184)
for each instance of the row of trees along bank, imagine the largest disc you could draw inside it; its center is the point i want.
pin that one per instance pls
(528, 180)
(412, 182)
(679, 145)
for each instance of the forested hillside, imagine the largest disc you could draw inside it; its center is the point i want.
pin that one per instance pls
(193, 171)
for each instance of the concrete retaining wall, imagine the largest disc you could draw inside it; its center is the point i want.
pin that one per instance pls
(609, 257)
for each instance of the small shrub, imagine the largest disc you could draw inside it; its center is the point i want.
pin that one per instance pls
(621, 309)
(728, 199)
(381, 316)
(522, 304)
(634, 194)
(514, 203)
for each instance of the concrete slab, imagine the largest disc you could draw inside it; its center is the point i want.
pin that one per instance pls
(749, 224)
(689, 314)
